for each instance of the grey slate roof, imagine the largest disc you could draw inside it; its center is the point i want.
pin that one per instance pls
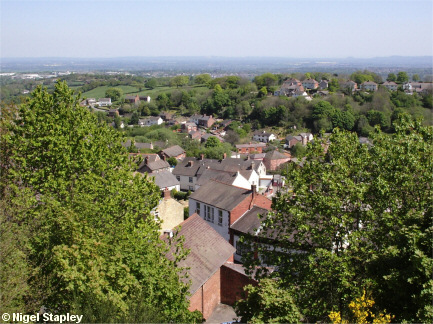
(220, 195)
(164, 179)
(183, 168)
(208, 251)
(249, 222)
(153, 166)
(275, 155)
(218, 175)
(173, 151)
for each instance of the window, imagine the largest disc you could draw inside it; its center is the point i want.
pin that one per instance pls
(241, 248)
(178, 178)
(197, 210)
(220, 217)
(190, 188)
(190, 179)
(209, 214)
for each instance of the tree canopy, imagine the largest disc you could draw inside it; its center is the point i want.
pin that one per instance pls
(91, 244)
(358, 218)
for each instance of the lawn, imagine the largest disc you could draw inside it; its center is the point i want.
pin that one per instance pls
(99, 92)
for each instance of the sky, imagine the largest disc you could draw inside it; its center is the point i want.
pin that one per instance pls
(235, 28)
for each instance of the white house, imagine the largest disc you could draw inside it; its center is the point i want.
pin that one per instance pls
(150, 121)
(392, 86)
(104, 102)
(310, 84)
(369, 86)
(264, 137)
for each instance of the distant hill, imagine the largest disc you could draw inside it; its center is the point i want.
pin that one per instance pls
(213, 64)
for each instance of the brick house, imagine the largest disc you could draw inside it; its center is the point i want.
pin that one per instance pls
(153, 165)
(221, 204)
(350, 85)
(132, 99)
(250, 148)
(310, 84)
(274, 159)
(208, 253)
(203, 120)
(188, 127)
(173, 151)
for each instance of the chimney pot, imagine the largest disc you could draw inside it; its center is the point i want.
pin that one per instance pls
(166, 194)
(224, 156)
(202, 156)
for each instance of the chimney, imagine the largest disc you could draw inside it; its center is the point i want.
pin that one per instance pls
(146, 160)
(202, 156)
(253, 195)
(224, 156)
(166, 194)
(163, 157)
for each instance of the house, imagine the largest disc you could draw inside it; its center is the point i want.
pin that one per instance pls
(322, 93)
(153, 165)
(132, 99)
(292, 140)
(369, 86)
(247, 225)
(165, 116)
(264, 137)
(299, 93)
(390, 85)
(228, 177)
(188, 127)
(203, 120)
(209, 252)
(310, 84)
(173, 151)
(274, 159)
(323, 84)
(288, 87)
(306, 137)
(221, 204)
(195, 135)
(113, 112)
(153, 120)
(250, 148)
(144, 98)
(349, 85)
(104, 102)
(169, 212)
(165, 180)
(189, 171)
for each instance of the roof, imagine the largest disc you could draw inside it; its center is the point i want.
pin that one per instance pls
(249, 222)
(369, 83)
(143, 145)
(154, 165)
(164, 179)
(226, 177)
(220, 195)
(190, 166)
(173, 151)
(275, 155)
(103, 99)
(130, 97)
(251, 145)
(208, 251)
(262, 133)
(290, 137)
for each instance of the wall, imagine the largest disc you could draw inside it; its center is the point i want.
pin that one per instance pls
(207, 297)
(171, 213)
(232, 285)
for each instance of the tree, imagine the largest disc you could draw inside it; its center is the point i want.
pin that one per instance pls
(402, 77)
(203, 79)
(179, 81)
(415, 78)
(151, 84)
(359, 218)
(114, 93)
(93, 240)
(267, 303)
(391, 77)
(298, 150)
(212, 142)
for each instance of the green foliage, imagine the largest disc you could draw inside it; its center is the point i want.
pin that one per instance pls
(298, 150)
(391, 77)
(92, 238)
(114, 93)
(333, 85)
(343, 120)
(151, 84)
(360, 219)
(266, 80)
(212, 142)
(268, 303)
(378, 118)
(203, 79)
(179, 81)
(402, 77)
(172, 161)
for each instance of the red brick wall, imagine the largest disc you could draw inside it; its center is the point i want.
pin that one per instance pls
(239, 210)
(208, 296)
(232, 285)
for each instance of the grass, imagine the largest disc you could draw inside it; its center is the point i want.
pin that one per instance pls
(99, 92)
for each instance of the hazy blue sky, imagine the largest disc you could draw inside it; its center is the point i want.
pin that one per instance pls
(216, 28)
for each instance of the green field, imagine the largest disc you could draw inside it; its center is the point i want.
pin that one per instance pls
(99, 92)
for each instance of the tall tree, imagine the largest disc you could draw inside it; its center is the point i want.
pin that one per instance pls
(359, 218)
(93, 240)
